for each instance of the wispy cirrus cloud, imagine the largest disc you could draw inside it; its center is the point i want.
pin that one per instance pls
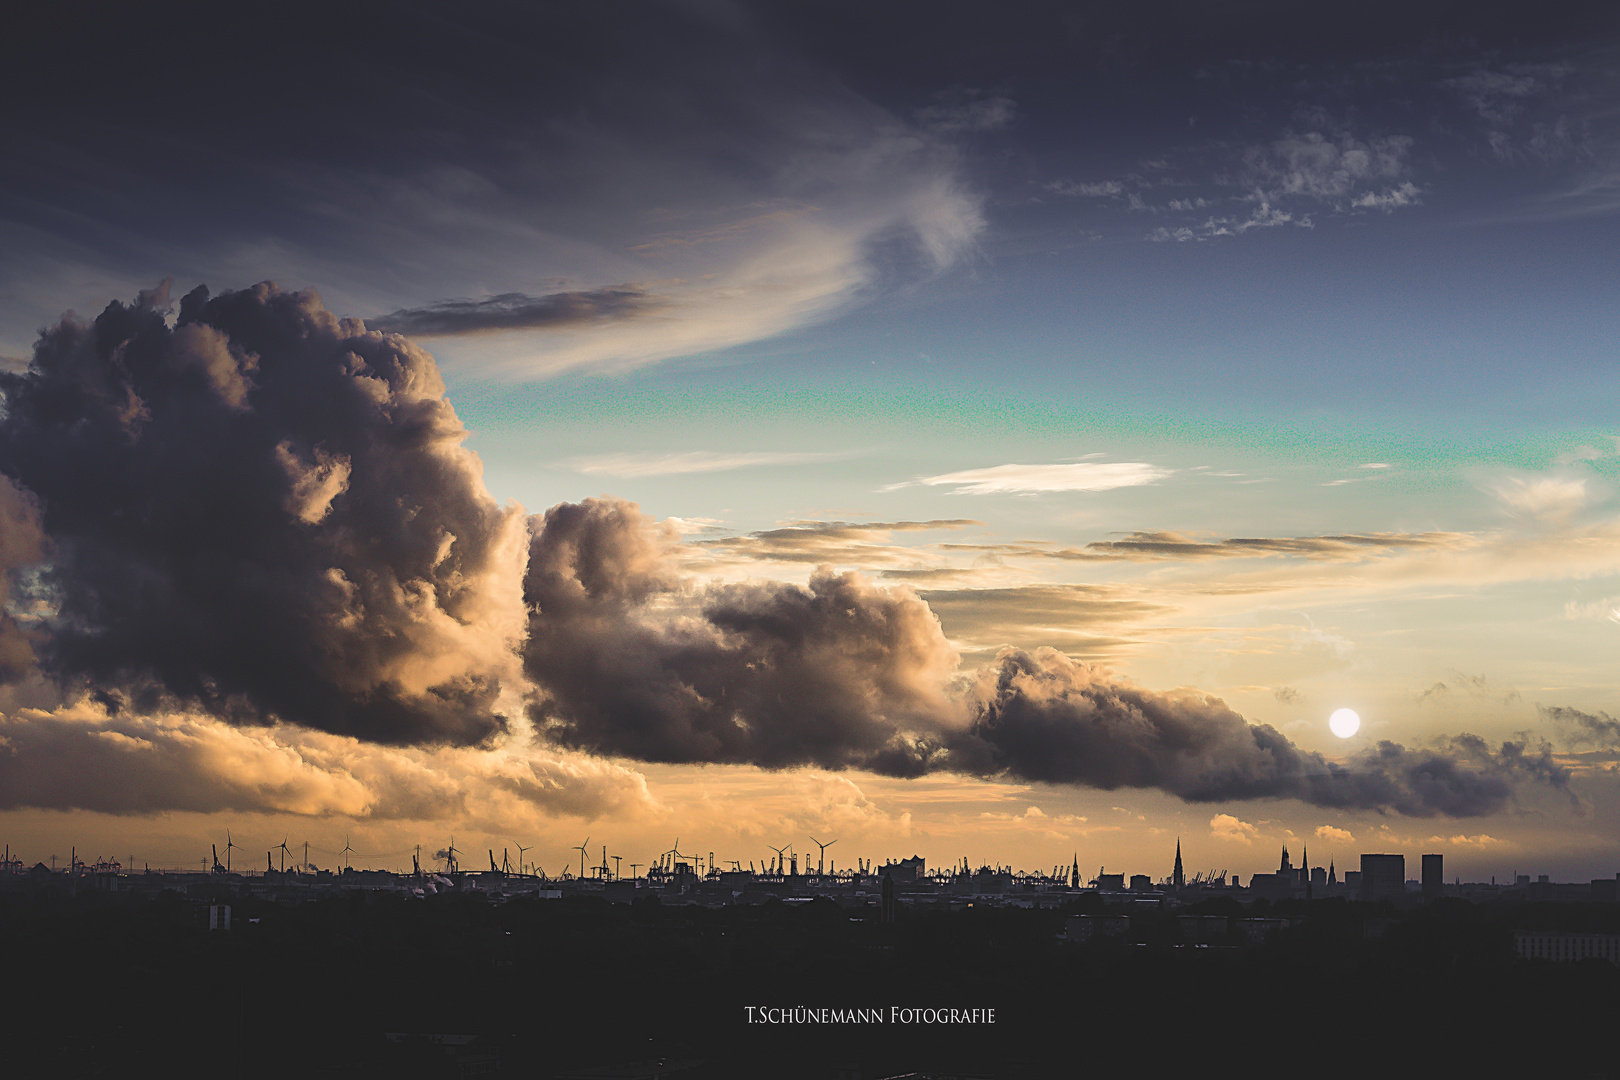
(838, 542)
(1033, 479)
(1156, 545)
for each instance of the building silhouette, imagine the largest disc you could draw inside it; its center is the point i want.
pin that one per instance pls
(1434, 877)
(1383, 877)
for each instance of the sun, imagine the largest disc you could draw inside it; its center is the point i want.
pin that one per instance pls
(1344, 723)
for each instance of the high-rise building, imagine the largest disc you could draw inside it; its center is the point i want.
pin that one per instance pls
(1433, 876)
(1383, 877)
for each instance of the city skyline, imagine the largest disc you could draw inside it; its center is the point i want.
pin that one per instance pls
(962, 436)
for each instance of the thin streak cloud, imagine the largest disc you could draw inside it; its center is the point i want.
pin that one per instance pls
(1032, 479)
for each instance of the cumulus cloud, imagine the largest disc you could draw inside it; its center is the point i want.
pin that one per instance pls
(840, 674)
(1030, 479)
(1333, 833)
(266, 512)
(1232, 830)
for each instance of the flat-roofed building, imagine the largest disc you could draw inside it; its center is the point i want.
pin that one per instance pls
(1383, 877)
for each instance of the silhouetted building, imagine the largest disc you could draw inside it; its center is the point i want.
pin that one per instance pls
(1278, 886)
(1434, 877)
(1177, 878)
(1383, 877)
(906, 871)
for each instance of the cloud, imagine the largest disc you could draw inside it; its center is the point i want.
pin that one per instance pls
(22, 545)
(519, 311)
(836, 542)
(839, 674)
(1583, 728)
(631, 660)
(1046, 718)
(1144, 546)
(82, 758)
(1089, 618)
(693, 461)
(265, 512)
(1264, 216)
(1346, 547)
(264, 516)
(1096, 189)
(696, 182)
(1336, 170)
(1332, 833)
(1029, 479)
(1483, 841)
(1544, 498)
(1605, 610)
(967, 113)
(1232, 830)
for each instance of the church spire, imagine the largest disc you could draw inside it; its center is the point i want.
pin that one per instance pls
(1177, 879)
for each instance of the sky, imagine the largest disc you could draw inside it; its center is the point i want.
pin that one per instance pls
(1003, 435)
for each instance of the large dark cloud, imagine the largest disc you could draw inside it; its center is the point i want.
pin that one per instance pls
(266, 511)
(1045, 717)
(838, 674)
(843, 674)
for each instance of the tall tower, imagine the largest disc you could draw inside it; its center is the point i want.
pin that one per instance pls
(1177, 879)
(1074, 872)
(1287, 866)
(1305, 871)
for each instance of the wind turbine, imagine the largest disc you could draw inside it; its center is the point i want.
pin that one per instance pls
(581, 850)
(284, 854)
(521, 850)
(346, 852)
(823, 853)
(778, 851)
(228, 845)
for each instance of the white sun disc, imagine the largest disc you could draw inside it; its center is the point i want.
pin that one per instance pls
(1344, 723)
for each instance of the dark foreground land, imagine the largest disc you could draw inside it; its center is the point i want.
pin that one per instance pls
(115, 985)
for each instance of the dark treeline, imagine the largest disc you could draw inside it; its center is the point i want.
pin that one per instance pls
(115, 985)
